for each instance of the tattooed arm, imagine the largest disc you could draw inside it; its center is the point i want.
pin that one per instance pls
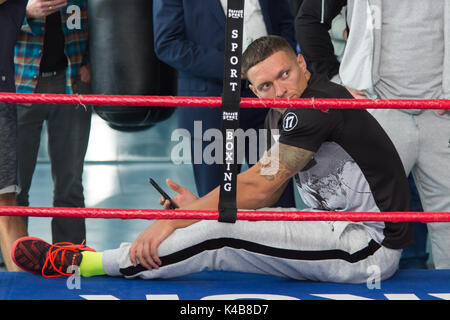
(269, 177)
(261, 185)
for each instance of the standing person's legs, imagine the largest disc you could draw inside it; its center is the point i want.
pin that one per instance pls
(11, 228)
(30, 122)
(197, 121)
(432, 176)
(404, 132)
(319, 251)
(8, 145)
(68, 136)
(416, 256)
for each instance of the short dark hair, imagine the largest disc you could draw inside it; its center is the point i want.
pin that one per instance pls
(262, 48)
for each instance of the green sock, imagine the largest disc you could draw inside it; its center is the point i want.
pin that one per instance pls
(91, 264)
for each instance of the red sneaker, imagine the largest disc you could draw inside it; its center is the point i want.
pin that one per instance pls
(37, 256)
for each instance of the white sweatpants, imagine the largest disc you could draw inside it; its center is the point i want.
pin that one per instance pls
(323, 251)
(423, 143)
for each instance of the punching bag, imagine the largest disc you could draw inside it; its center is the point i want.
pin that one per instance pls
(123, 62)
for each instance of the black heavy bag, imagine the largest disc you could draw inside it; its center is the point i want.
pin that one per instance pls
(123, 62)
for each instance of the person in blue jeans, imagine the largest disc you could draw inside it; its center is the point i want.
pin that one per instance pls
(51, 56)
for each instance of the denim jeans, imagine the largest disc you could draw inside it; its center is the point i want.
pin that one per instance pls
(68, 128)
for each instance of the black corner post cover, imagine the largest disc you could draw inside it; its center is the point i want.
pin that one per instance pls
(231, 100)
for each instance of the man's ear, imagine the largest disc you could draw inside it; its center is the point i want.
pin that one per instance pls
(301, 61)
(253, 89)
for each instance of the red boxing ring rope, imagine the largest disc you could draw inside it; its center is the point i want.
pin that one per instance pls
(170, 101)
(152, 214)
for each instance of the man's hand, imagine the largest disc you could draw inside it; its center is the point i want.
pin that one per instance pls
(85, 74)
(357, 94)
(184, 197)
(442, 112)
(41, 8)
(144, 250)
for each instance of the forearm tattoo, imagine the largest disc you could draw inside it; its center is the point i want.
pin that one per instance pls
(283, 161)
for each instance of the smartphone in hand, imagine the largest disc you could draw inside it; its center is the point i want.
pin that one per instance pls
(164, 194)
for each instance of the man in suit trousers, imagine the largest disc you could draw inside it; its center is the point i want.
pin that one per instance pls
(190, 37)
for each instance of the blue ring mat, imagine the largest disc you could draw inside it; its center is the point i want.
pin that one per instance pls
(404, 285)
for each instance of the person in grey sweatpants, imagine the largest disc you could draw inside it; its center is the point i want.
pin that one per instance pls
(399, 50)
(414, 63)
(313, 250)
(422, 140)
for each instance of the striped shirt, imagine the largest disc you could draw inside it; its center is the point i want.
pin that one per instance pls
(29, 47)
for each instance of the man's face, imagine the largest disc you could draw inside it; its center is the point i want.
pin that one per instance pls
(279, 76)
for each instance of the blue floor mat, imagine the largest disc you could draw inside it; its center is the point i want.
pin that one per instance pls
(405, 285)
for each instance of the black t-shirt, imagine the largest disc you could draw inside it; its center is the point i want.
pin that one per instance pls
(53, 58)
(355, 166)
(12, 13)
